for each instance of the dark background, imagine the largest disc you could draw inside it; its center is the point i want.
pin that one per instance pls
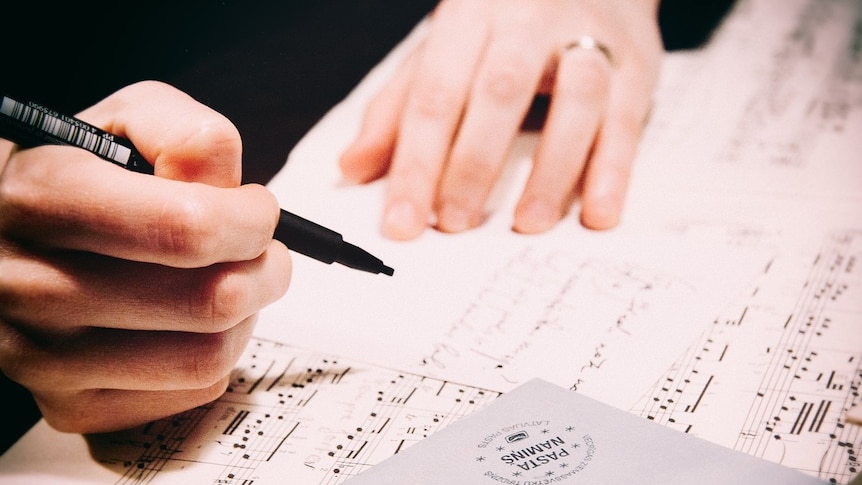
(273, 68)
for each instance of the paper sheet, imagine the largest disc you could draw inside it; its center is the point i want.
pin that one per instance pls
(752, 149)
(289, 414)
(490, 307)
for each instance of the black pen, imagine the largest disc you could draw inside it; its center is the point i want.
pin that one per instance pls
(30, 124)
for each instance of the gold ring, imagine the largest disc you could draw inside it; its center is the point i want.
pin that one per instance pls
(589, 42)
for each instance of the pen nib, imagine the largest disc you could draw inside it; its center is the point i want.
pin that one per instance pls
(357, 258)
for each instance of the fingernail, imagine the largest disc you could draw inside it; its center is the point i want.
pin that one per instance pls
(536, 216)
(600, 216)
(402, 221)
(453, 218)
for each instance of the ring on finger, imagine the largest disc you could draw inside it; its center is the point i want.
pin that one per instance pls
(590, 43)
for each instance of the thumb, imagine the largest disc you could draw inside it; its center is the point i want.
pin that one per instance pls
(184, 139)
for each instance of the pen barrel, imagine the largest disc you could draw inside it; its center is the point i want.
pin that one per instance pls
(308, 238)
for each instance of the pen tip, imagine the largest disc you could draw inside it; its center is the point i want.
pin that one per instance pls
(358, 258)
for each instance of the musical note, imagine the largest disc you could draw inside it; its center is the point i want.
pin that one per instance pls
(782, 383)
(322, 418)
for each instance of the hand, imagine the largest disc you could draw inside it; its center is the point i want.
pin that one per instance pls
(443, 124)
(124, 297)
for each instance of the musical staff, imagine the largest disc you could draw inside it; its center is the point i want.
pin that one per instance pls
(290, 412)
(782, 382)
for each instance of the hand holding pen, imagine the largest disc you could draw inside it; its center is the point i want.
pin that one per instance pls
(126, 298)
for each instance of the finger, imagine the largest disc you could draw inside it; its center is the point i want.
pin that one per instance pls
(504, 88)
(99, 358)
(68, 198)
(433, 109)
(6, 148)
(185, 140)
(105, 410)
(579, 99)
(367, 158)
(607, 176)
(74, 290)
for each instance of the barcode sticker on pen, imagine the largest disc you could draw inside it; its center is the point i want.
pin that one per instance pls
(65, 130)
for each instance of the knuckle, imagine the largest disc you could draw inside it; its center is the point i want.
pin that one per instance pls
(25, 286)
(13, 355)
(220, 302)
(475, 172)
(74, 412)
(26, 363)
(186, 228)
(208, 360)
(219, 129)
(149, 86)
(63, 421)
(414, 174)
(220, 135)
(9, 296)
(282, 260)
(507, 82)
(262, 237)
(435, 99)
(16, 203)
(590, 79)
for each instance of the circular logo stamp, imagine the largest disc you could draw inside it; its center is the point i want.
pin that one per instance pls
(535, 453)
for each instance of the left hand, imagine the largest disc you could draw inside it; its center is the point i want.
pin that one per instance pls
(442, 125)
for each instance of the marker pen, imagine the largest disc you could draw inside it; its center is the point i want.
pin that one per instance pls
(30, 124)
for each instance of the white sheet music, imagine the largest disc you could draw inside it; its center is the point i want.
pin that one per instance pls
(289, 414)
(490, 307)
(778, 133)
(803, 358)
(744, 218)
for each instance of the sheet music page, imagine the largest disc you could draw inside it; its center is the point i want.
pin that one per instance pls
(600, 312)
(777, 130)
(290, 415)
(754, 143)
(748, 180)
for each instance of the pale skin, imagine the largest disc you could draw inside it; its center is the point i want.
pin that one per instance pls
(126, 298)
(442, 127)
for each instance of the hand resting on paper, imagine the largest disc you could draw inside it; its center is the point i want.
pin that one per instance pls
(442, 125)
(126, 297)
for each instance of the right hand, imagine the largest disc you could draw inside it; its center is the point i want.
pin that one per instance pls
(126, 298)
